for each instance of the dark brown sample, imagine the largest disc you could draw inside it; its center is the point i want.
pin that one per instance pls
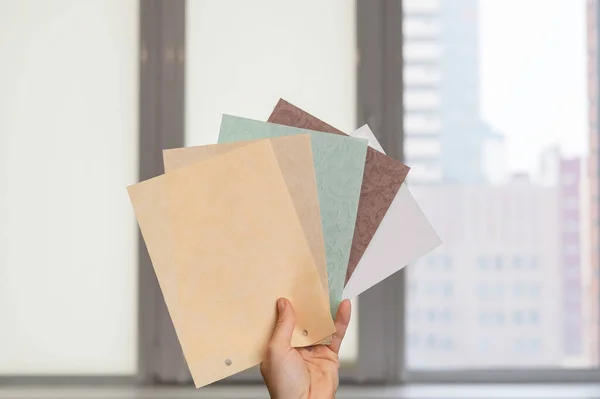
(382, 179)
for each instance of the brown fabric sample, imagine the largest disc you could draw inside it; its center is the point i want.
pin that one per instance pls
(382, 179)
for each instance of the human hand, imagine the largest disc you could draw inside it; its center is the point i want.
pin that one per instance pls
(302, 373)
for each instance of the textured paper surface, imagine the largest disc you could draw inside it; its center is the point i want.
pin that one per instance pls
(382, 179)
(403, 236)
(339, 164)
(294, 155)
(225, 242)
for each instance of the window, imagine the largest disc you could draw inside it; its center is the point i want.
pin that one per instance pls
(571, 203)
(448, 262)
(517, 263)
(421, 76)
(518, 290)
(423, 146)
(422, 52)
(571, 249)
(481, 263)
(569, 179)
(533, 262)
(428, 259)
(447, 316)
(518, 238)
(518, 317)
(499, 262)
(448, 290)
(421, 99)
(431, 315)
(483, 344)
(534, 317)
(423, 28)
(421, 6)
(221, 79)
(68, 149)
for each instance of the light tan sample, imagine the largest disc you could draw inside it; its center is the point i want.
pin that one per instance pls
(294, 154)
(226, 242)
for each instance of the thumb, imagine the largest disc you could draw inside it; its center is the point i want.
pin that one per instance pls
(286, 321)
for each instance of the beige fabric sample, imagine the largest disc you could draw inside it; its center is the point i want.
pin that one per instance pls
(225, 242)
(294, 154)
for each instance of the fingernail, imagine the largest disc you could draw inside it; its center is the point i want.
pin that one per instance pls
(281, 304)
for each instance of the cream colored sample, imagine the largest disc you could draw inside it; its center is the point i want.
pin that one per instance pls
(294, 154)
(226, 242)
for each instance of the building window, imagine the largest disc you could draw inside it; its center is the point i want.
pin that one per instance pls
(431, 341)
(448, 290)
(534, 317)
(448, 262)
(431, 262)
(569, 179)
(571, 203)
(517, 262)
(483, 344)
(518, 290)
(518, 317)
(571, 249)
(481, 263)
(412, 288)
(533, 262)
(447, 315)
(499, 262)
(447, 343)
(481, 292)
(431, 316)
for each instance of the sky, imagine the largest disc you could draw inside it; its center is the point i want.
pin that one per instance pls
(533, 76)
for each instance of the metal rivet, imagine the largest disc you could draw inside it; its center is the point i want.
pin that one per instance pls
(304, 332)
(227, 362)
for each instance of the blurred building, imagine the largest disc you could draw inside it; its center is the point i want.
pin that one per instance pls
(512, 267)
(445, 138)
(489, 296)
(569, 201)
(593, 17)
(565, 174)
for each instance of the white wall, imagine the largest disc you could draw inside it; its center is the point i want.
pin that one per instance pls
(68, 148)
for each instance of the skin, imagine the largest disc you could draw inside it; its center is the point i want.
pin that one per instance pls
(300, 373)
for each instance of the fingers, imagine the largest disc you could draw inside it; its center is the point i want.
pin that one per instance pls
(286, 320)
(342, 319)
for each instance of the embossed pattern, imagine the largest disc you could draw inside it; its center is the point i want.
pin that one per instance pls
(339, 165)
(382, 179)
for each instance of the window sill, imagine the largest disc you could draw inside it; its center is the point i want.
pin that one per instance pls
(455, 391)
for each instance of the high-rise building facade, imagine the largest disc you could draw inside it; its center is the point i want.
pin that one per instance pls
(444, 134)
(489, 297)
(511, 285)
(572, 296)
(593, 71)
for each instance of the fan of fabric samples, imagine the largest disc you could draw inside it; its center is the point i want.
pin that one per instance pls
(290, 207)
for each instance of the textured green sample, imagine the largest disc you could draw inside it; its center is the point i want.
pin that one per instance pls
(339, 166)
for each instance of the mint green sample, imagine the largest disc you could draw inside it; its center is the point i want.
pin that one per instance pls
(339, 166)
